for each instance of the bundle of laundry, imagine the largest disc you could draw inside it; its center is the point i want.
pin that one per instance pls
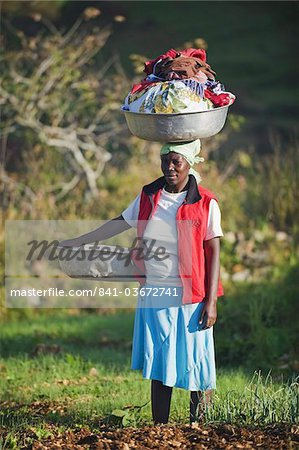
(178, 82)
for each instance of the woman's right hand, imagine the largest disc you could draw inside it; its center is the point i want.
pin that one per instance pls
(76, 242)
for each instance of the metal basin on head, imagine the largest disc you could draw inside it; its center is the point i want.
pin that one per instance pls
(176, 127)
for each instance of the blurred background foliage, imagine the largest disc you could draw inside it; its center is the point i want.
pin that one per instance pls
(66, 152)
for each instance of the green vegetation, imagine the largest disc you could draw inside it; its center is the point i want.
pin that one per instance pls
(256, 326)
(78, 364)
(61, 89)
(79, 372)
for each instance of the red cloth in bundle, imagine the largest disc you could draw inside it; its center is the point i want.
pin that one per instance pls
(218, 99)
(137, 87)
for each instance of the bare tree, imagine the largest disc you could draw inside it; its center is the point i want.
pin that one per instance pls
(51, 85)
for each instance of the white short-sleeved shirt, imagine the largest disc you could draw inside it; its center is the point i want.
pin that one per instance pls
(161, 231)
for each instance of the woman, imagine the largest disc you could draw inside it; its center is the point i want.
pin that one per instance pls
(177, 307)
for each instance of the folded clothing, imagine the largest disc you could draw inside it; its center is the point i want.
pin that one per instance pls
(178, 82)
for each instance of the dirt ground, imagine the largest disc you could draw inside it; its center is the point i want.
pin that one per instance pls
(164, 437)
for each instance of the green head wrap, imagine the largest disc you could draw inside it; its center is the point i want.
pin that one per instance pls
(189, 150)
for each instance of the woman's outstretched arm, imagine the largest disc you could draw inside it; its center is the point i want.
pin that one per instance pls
(109, 229)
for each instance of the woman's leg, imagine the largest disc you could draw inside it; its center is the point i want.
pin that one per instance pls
(199, 401)
(160, 398)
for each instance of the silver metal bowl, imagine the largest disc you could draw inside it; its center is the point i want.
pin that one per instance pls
(176, 127)
(103, 263)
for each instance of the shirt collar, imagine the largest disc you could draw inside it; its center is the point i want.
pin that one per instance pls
(193, 194)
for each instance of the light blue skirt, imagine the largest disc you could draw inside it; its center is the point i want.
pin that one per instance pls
(169, 344)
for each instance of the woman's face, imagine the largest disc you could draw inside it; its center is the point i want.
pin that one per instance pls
(175, 168)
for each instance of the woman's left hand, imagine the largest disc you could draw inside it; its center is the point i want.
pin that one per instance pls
(210, 311)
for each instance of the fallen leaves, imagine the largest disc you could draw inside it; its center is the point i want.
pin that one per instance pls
(167, 437)
(163, 437)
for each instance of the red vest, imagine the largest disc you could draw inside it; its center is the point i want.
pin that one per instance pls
(192, 219)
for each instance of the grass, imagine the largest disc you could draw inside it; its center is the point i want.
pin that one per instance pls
(62, 371)
(90, 377)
